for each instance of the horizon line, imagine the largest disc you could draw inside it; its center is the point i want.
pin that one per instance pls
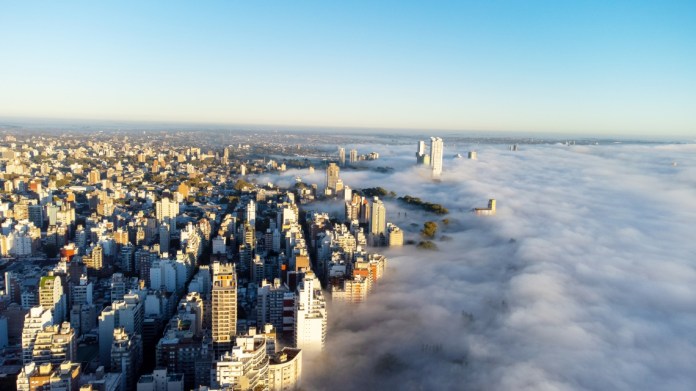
(133, 124)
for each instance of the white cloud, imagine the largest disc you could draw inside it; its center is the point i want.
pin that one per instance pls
(597, 290)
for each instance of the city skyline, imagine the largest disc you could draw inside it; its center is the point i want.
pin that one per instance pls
(591, 68)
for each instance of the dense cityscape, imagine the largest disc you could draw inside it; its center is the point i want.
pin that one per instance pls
(133, 264)
(341, 196)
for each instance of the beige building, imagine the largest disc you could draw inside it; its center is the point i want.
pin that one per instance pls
(285, 370)
(224, 307)
(245, 367)
(490, 211)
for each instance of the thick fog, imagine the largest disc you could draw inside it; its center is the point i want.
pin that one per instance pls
(585, 278)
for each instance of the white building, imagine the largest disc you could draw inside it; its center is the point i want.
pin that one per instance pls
(34, 321)
(310, 315)
(82, 293)
(166, 211)
(163, 275)
(126, 313)
(251, 213)
(285, 370)
(378, 223)
(245, 367)
(436, 153)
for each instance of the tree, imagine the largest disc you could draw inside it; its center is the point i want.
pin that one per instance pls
(241, 184)
(427, 245)
(429, 229)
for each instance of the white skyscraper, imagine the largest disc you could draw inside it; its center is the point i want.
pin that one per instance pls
(436, 150)
(251, 213)
(310, 315)
(166, 210)
(341, 156)
(421, 148)
(378, 222)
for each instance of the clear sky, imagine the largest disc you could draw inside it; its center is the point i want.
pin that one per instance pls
(612, 67)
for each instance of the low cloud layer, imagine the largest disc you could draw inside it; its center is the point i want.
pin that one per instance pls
(585, 279)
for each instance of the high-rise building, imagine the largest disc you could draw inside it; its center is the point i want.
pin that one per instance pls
(245, 367)
(341, 156)
(350, 290)
(224, 307)
(436, 151)
(126, 357)
(34, 321)
(378, 222)
(81, 292)
(51, 297)
(395, 236)
(164, 238)
(13, 287)
(118, 286)
(251, 214)
(95, 260)
(55, 344)
(94, 177)
(285, 370)
(270, 302)
(421, 148)
(127, 313)
(36, 215)
(353, 155)
(166, 211)
(422, 157)
(310, 315)
(332, 178)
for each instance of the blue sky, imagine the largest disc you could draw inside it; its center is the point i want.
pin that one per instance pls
(592, 67)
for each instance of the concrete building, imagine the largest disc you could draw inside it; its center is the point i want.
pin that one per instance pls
(224, 307)
(95, 259)
(126, 357)
(285, 370)
(270, 304)
(82, 292)
(34, 322)
(332, 179)
(341, 156)
(395, 235)
(353, 156)
(489, 211)
(422, 158)
(161, 380)
(436, 154)
(128, 314)
(166, 211)
(250, 214)
(350, 290)
(378, 223)
(66, 377)
(55, 344)
(245, 367)
(310, 315)
(51, 297)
